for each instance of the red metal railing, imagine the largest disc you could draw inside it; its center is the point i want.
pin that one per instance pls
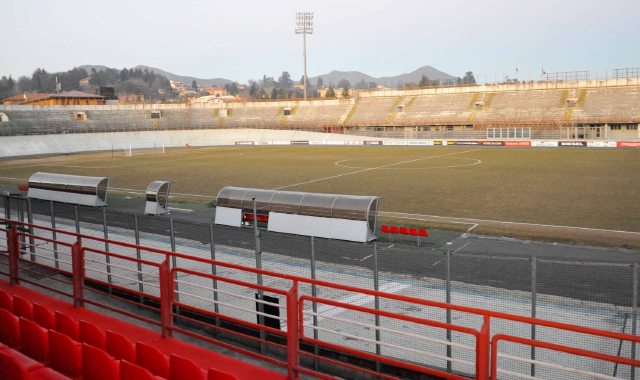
(173, 292)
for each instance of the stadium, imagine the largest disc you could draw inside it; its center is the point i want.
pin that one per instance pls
(162, 226)
(531, 157)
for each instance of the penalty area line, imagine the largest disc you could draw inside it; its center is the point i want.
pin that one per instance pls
(474, 221)
(369, 169)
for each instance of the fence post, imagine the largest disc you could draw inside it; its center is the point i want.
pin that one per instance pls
(448, 301)
(634, 315)
(174, 260)
(534, 302)
(314, 305)
(77, 261)
(483, 350)
(138, 256)
(376, 287)
(293, 345)
(214, 272)
(107, 258)
(256, 234)
(13, 248)
(166, 299)
(32, 242)
(54, 235)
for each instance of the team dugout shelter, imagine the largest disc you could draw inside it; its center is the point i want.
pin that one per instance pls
(74, 189)
(331, 216)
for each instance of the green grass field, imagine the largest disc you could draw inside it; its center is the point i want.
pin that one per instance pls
(595, 189)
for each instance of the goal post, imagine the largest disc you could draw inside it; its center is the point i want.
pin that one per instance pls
(145, 147)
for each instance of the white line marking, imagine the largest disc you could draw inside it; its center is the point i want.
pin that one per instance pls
(369, 169)
(366, 258)
(356, 299)
(474, 226)
(476, 162)
(437, 262)
(141, 163)
(461, 247)
(180, 209)
(499, 222)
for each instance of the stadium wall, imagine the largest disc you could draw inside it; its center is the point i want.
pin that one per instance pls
(15, 146)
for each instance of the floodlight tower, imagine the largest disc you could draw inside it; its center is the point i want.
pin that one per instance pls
(304, 26)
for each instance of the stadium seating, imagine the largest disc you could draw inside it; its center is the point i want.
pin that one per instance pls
(80, 350)
(521, 106)
(307, 117)
(436, 109)
(372, 111)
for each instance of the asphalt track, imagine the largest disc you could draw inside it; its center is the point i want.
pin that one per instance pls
(589, 274)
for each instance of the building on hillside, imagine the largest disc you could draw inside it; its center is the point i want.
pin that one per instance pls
(176, 85)
(22, 98)
(217, 91)
(130, 98)
(85, 82)
(68, 98)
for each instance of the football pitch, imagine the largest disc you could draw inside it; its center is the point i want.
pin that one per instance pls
(524, 193)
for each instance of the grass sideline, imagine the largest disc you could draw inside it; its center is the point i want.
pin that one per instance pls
(588, 188)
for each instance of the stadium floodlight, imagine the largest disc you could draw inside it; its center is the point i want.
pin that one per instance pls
(304, 26)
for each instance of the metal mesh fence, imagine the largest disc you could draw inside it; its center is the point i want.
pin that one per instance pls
(591, 293)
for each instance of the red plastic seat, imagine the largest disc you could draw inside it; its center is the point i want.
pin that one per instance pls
(216, 374)
(67, 326)
(248, 217)
(92, 335)
(152, 359)
(395, 230)
(129, 371)
(423, 232)
(6, 301)
(22, 308)
(182, 368)
(34, 340)
(11, 368)
(413, 231)
(263, 218)
(3, 347)
(44, 317)
(9, 329)
(404, 230)
(98, 365)
(384, 228)
(28, 363)
(119, 347)
(65, 355)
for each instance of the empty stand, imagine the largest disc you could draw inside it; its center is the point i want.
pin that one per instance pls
(523, 106)
(372, 111)
(436, 109)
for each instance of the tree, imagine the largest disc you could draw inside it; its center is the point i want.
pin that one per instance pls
(274, 93)
(124, 75)
(458, 80)
(330, 93)
(424, 81)
(362, 85)
(345, 92)
(194, 85)
(319, 83)
(285, 80)
(373, 85)
(469, 78)
(344, 83)
(253, 91)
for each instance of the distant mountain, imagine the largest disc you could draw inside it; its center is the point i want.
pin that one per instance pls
(355, 76)
(97, 67)
(216, 82)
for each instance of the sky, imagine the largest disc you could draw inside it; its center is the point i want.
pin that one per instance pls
(246, 39)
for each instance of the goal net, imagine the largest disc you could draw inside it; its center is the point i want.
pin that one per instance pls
(145, 147)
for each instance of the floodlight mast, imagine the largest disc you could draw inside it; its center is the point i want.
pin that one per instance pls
(304, 26)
